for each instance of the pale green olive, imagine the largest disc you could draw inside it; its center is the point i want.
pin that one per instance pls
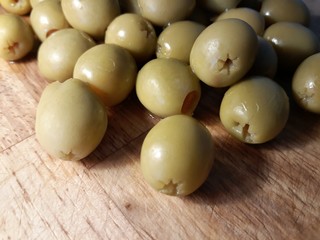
(70, 120)
(224, 52)
(255, 110)
(91, 17)
(19, 7)
(47, 17)
(35, 2)
(219, 6)
(306, 84)
(167, 87)
(177, 155)
(58, 54)
(177, 39)
(134, 33)
(110, 70)
(16, 37)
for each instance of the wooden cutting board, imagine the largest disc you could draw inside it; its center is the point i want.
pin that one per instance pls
(269, 191)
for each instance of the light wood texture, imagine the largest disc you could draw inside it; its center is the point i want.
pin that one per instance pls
(269, 191)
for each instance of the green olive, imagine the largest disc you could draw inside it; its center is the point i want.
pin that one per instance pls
(224, 52)
(58, 54)
(35, 2)
(110, 70)
(254, 110)
(19, 7)
(47, 17)
(164, 12)
(266, 62)
(285, 11)
(250, 16)
(91, 17)
(219, 6)
(293, 43)
(177, 155)
(177, 39)
(70, 120)
(167, 87)
(16, 37)
(134, 33)
(306, 84)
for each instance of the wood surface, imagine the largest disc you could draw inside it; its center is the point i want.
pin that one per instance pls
(268, 191)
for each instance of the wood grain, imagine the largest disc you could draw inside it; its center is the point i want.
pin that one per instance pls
(269, 191)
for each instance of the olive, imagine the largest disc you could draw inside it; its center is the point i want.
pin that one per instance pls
(16, 37)
(35, 2)
(306, 84)
(19, 7)
(133, 32)
(177, 39)
(293, 43)
(224, 52)
(219, 6)
(91, 17)
(266, 61)
(164, 12)
(285, 11)
(58, 54)
(70, 120)
(255, 110)
(177, 155)
(110, 70)
(250, 16)
(47, 17)
(168, 87)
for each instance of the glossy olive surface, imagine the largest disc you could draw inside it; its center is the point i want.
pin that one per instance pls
(224, 52)
(70, 120)
(167, 87)
(255, 110)
(19, 7)
(177, 155)
(58, 54)
(110, 70)
(177, 39)
(134, 33)
(219, 6)
(47, 17)
(306, 84)
(16, 37)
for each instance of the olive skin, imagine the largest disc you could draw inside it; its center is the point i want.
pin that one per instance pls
(177, 39)
(306, 84)
(219, 6)
(91, 17)
(164, 12)
(18, 7)
(254, 110)
(35, 2)
(285, 11)
(224, 52)
(47, 17)
(16, 37)
(293, 43)
(168, 87)
(70, 120)
(58, 54)
(134, 33)
(177, 155)
(110, 70)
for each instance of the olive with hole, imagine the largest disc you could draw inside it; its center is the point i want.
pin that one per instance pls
(134, 33)
(70, 120)
(293, 43)
(177, 155)
(47, 17)
(164, 12)
(255, 110)
(18, 7)
(167, 87)
(16, 37)
(177, 39)
(306, 84)
(58, 54)
(91, 17)
(110, 71)
(224, 52)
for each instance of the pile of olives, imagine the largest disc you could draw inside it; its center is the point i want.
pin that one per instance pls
(95, 53)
